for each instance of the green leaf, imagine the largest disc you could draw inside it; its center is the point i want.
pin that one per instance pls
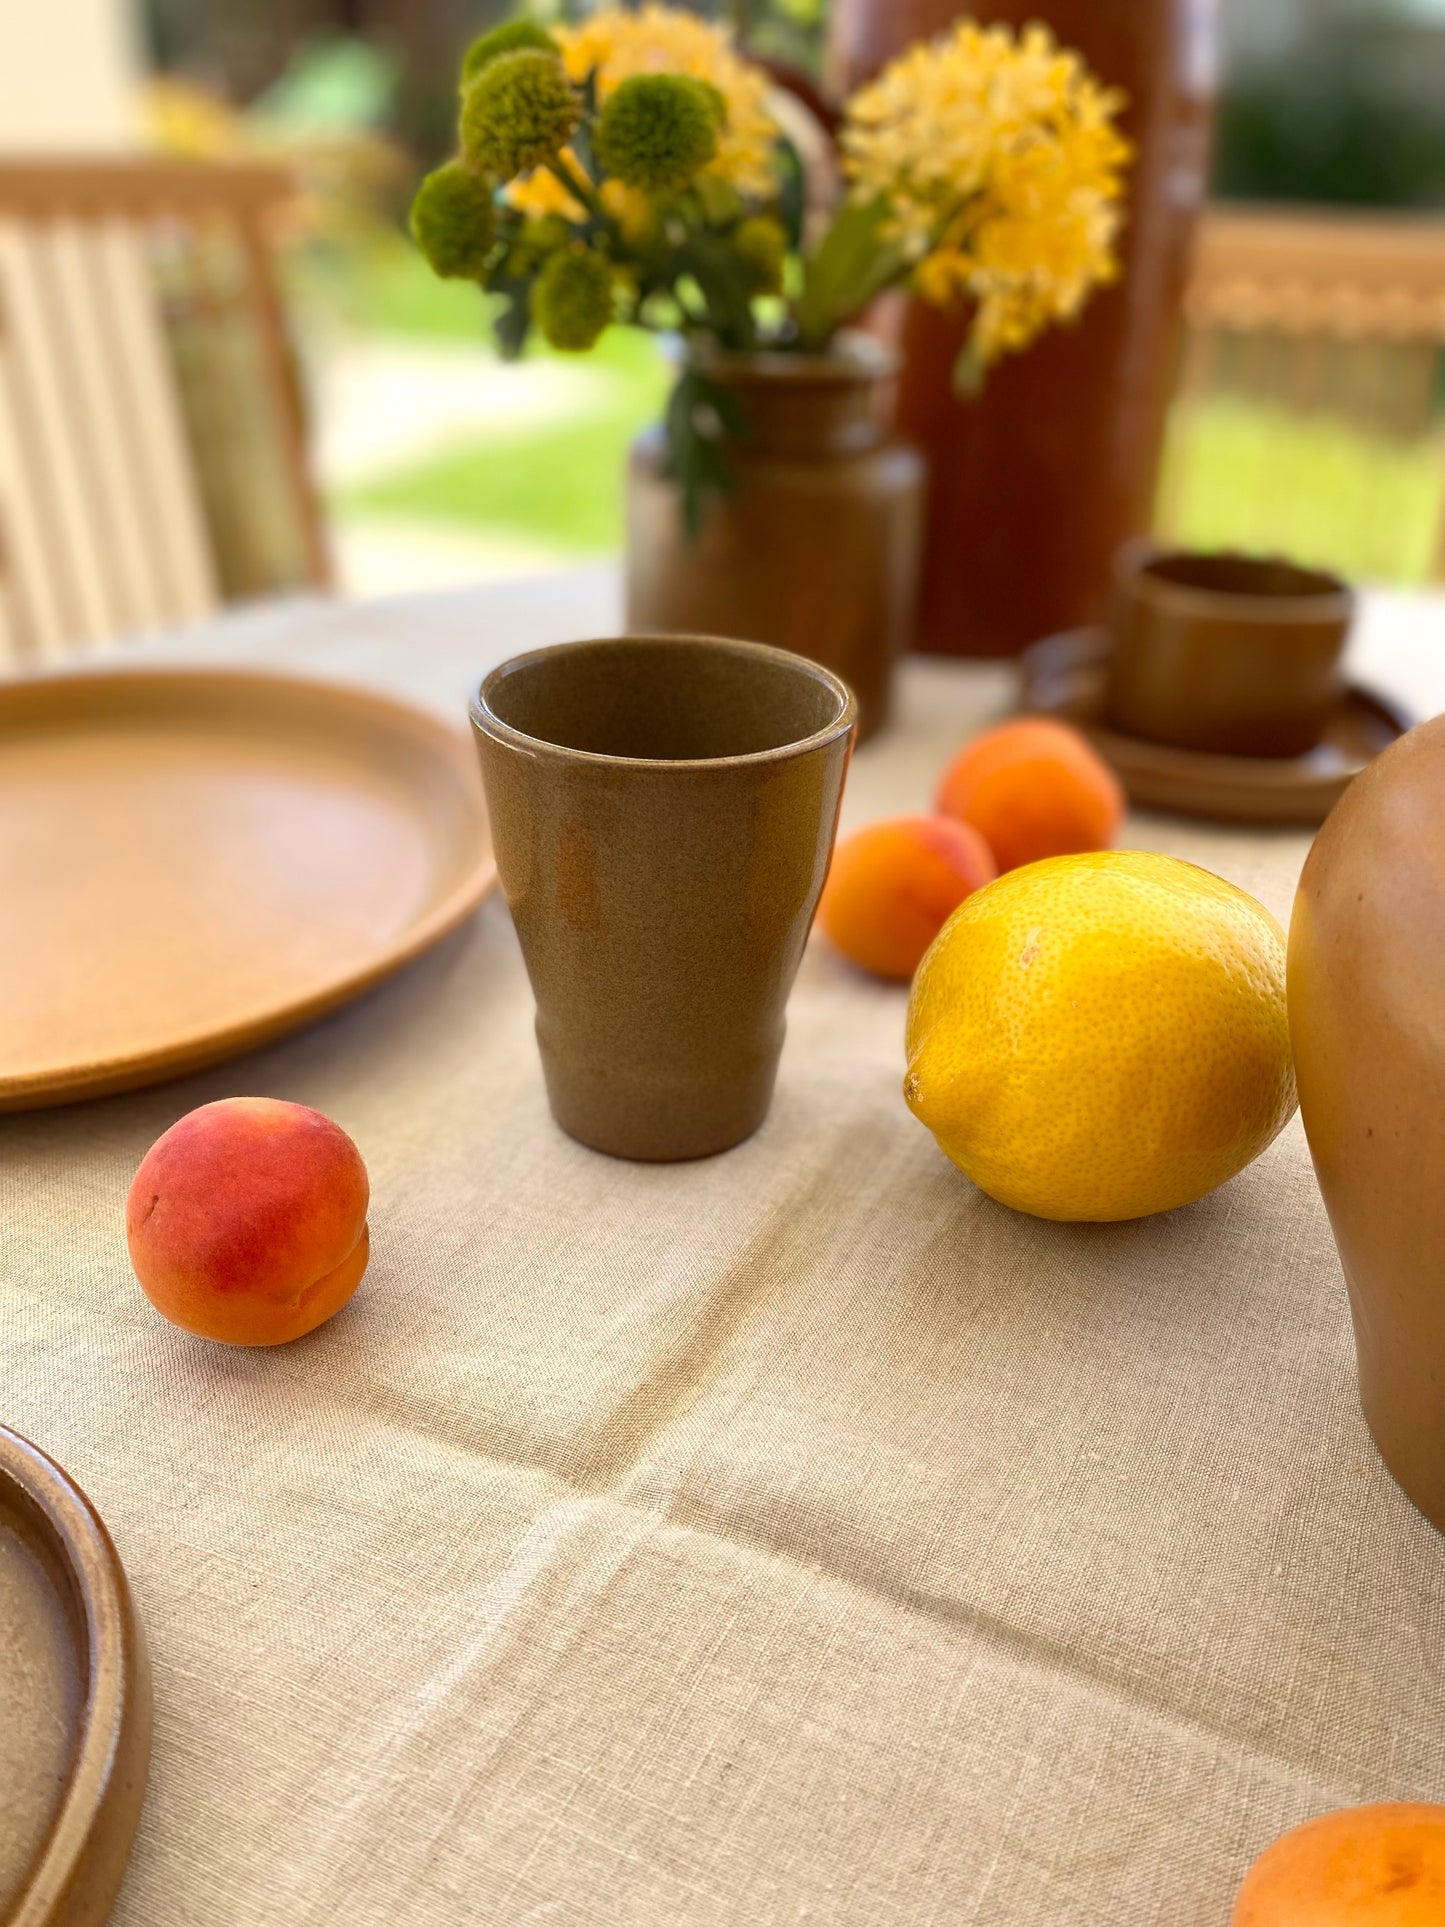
(726, 288)
(852, 264)
(725, 405)
(513, 315)
(700, 416)
(792, 191)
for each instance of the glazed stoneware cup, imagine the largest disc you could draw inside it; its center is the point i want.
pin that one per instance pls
(1236, 655)
(663, 810)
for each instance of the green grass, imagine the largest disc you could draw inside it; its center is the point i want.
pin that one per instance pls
(558, 485)
(1255, 477)
(1315, 489)
(384, 287)
(395, 293)
(555, 484)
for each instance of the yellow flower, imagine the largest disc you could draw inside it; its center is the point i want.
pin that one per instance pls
(616, 44)
(629, 207)
(1001, 165)
(540, 193)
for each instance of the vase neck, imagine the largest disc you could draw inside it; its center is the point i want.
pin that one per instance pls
(808, 407)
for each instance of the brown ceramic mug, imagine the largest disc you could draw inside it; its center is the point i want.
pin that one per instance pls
(663, 810)
(1236, 655)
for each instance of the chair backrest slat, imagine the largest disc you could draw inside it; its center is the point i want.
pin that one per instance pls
(108, 458)
(43, 395)
(280, 374)
(174, 530)
(114, 494)
(37, 621)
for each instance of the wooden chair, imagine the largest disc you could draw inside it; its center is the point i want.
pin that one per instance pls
(146, 389)
(1326, 316)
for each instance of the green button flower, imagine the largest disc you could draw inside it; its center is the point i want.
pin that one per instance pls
(572, 300)
(658, 130)
(513, 36)
(519, 112)
(454, 221)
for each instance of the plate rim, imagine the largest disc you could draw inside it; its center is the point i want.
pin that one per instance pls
(215, 1044)
(98, 1809)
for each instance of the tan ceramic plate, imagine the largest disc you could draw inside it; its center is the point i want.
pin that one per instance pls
(193, 862)
(1065, 677)
(75, 1700)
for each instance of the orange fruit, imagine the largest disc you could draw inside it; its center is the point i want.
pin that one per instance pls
(1378, 1866)
(894, 885)
(1033, 788)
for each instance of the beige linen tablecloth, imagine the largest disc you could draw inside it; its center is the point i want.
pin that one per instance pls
(792, 1537)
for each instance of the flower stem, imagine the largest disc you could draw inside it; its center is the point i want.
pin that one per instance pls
(579, 189)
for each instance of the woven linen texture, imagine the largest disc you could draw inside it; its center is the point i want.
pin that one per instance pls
(795, 1536)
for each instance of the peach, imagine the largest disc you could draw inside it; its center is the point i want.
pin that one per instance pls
(247, 1221)
(1376, 1866)
(893, 886)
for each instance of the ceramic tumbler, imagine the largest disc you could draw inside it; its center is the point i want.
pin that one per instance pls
(1235, 655)
(1367, 1024)
(663, 811)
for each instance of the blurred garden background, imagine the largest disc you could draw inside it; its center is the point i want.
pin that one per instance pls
(439, 464)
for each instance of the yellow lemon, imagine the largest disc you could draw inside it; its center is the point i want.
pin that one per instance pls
(1102, 1036)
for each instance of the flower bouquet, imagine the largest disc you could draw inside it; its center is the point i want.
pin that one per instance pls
(629, 169)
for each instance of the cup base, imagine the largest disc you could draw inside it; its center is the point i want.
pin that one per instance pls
(657, 1124)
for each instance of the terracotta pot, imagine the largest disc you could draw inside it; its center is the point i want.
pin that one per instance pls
(1037, 481)
(1367, 1021)
(817, 550)
(1236, 655)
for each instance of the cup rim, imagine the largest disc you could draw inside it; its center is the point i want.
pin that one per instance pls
(1133, 577)
(486, 719)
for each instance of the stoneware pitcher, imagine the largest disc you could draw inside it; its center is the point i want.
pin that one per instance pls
(1367, 1022)
(663, 810)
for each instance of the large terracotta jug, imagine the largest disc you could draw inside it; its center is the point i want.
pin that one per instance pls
(1036, 482)
(1367, 1022)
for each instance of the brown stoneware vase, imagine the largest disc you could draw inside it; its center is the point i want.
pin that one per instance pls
(817, 549)
(663, 810)
(1367, 1021)
(1035, 482)
(1235, 655)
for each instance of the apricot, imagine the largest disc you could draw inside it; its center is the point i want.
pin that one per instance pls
(1034, 788)
(247, 1221)
(894, 885)
(1379, 1866)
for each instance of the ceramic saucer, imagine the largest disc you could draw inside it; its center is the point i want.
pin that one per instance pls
(1064, 677)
